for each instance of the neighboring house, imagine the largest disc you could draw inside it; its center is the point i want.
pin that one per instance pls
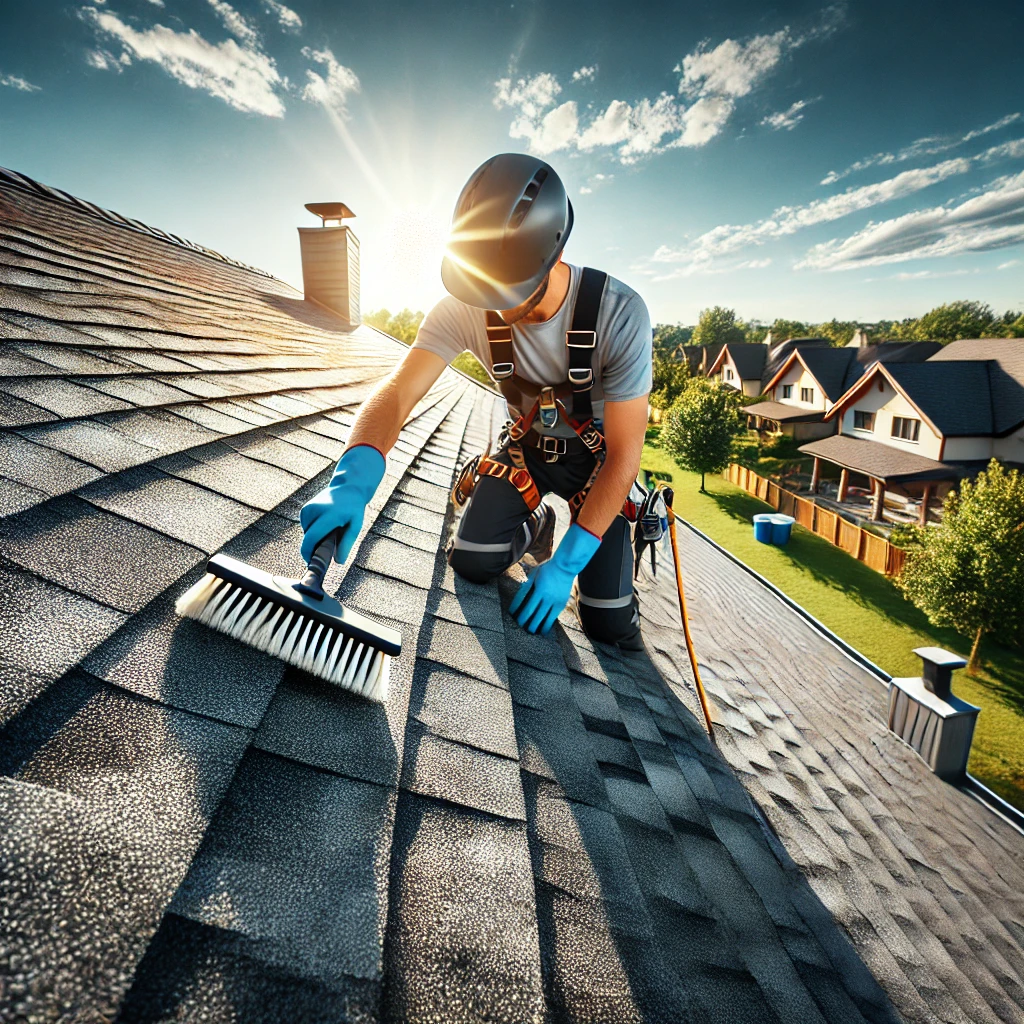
(740, 365)
(805, 380)
(532, 828)
(918, 428)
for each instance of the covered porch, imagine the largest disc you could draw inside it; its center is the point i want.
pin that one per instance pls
(911, 479)
(791, 420)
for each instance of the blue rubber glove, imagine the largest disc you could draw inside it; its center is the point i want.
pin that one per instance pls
(545, 592)
(342, 503)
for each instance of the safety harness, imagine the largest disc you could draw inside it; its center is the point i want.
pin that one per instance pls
(548, 404)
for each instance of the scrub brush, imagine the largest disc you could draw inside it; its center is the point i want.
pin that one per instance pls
(294, 620)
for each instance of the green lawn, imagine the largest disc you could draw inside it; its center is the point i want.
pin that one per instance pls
(868, 612)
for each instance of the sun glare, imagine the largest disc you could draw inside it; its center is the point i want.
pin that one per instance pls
(414, 246)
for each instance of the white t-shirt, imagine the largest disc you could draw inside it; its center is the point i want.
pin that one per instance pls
(621, 358)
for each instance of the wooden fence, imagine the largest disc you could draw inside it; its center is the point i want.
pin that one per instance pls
(874, 551)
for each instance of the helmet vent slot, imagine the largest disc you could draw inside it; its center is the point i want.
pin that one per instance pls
(529, 194)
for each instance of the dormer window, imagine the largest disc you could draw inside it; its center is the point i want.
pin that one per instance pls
(729, 375)
(905, 428)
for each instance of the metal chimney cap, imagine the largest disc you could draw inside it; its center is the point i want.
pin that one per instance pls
(937, 656)
(329, 211)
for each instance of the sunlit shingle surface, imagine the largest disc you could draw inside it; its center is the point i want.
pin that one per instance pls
(532, 828)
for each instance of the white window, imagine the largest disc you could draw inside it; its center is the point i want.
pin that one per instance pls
(787, 390)
(807, 394)
(728, 373)
(863, 420)
(906, 428)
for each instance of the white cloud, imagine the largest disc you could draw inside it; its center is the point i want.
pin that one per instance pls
(711, 80)
(584, 191)
(235, 23)
(787, 119)
(530, 96)
(331, 92)
(1008, 264)
(928, 275)
(242, 76)
(286, 17)
(704, 120)
(992, 220)
(155, 3)
(727, 239)
(930, 145)
(554, 131)
(18, 83)
(732, 68)
(104, 60)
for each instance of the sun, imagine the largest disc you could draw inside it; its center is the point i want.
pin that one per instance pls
(414, 245)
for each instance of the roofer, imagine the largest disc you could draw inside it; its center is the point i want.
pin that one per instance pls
(570, 349)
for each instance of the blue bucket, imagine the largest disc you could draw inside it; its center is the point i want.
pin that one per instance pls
(782, 527)
(763, 528)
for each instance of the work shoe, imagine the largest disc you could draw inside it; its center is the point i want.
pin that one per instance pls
(541, 525)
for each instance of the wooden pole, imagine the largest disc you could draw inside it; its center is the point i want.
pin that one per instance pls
(815, 475)
(702, 696)
(844, 483)
(926, 498)
(877, 500)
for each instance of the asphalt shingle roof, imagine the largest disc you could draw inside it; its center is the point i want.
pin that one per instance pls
(874, 458)
(955, 395)
(531, 829)
(1006, 374)
(748, 357)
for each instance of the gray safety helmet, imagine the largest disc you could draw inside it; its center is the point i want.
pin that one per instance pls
(510, 224)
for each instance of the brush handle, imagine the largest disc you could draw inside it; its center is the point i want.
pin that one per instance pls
(313, 582)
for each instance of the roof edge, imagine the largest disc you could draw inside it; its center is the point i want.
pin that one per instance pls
(26, 184)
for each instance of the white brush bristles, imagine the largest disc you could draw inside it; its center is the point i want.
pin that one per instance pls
(297, 639)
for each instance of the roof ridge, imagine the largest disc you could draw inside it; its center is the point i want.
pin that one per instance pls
(27, 184)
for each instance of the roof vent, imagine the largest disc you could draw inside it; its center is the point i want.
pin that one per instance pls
(925, 713)
(330, 261)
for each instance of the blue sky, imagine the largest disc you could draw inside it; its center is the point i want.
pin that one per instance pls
(859, 160)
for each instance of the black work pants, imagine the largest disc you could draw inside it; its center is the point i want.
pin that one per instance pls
(492, 535)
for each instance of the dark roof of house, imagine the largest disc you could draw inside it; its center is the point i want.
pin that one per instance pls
(955, 396)
(783, 413)
(1006, 374)
(749, 358)
(531, 829)
(780, 351)
(837, 369)
(882, 461)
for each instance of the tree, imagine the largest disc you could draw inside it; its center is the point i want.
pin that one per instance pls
(783, 329)
(955, 320)
(402, 326)
(670, 377)
(668, 337)
(717, 326)
(700, 427)
(839, 332)
(968, 573)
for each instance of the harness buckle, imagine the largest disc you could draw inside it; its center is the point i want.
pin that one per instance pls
(552, 446)
(548, 407)
(502, 371)
(581, 339)
(581, 379)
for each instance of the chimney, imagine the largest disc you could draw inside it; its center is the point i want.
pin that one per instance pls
(925, 713)
(859, 339)
(330, 261)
